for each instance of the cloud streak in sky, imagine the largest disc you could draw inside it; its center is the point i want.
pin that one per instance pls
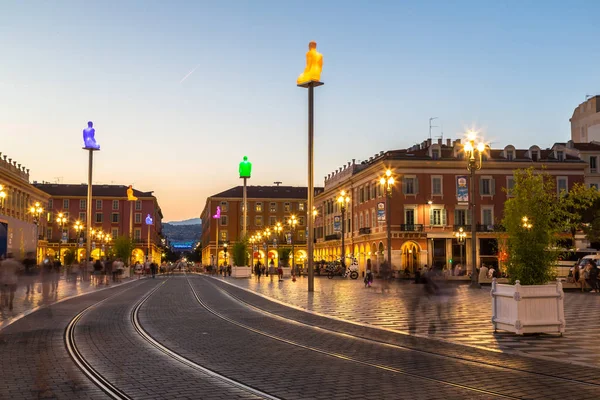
(188, 74)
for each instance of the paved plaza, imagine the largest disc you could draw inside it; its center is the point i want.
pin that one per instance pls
(192, 336)
(465, 314)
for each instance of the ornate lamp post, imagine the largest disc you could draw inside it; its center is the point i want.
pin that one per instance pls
(474, 153)
(343, 200)
(36, 211)
(79, 230)
(225, 256)
(387, 182)
(292, 222)
(245, 170)
(461, 236)
(2, 197)
(61, 220)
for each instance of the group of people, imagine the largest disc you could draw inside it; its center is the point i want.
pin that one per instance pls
(261, 269)
(585, 273)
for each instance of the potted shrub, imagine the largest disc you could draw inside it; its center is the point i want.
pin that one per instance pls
(534, 218)
(240, 267)
(284, 261)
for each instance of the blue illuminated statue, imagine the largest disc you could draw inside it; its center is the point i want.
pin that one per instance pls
(149, 220)
(88, 137)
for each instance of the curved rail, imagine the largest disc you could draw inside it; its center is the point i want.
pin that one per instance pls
(345, 357)
(98, 379)
(176, 356)
(397, 346)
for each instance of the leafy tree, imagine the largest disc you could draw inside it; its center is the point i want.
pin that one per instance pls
(69, 257)
(284, 255)
(122, 248)
(576, 207)
(532, 251)
(240, 253)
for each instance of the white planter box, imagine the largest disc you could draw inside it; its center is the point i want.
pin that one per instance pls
(287, 272)
(241, 272)
(528, 309)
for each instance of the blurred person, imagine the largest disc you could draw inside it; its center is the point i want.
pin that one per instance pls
(368, 278)
(483, 271)
(9, 271)
(30, 270)
(56, 269)
(271, 269)
(153, 268)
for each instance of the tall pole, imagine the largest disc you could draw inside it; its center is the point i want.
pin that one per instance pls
(293, 230)
(218, 221)
(311, 184)
(343, 234)
(60, 239)
(474, 277)
(131, 219)
(388, 207)
(245, 213)
(88, 244)
(148, 254)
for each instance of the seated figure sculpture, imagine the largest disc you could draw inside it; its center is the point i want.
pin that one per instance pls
(130, 196)
(88, 137)
(245, 168)
(314, 64)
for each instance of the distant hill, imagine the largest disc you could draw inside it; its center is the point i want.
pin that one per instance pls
(182, 232)
(192, 221)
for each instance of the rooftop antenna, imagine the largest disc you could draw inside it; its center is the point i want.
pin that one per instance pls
(277, 183)
(431, 126)
(58, 179)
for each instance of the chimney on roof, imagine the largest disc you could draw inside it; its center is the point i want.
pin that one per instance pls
(27, 171)
(439, 140)
(428, 142)
(570, 144)
(353, 161)
(449, 142)
(381, 153)
(457, 141)
(349, 164)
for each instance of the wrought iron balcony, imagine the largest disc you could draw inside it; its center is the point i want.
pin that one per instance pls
(364, 231)
(411, 227)
(335, 236)
(490, 228)
(466, 228)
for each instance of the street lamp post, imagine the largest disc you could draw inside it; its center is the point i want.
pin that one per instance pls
(292, 222)
(461, 236)
(79, 229)
(36, 211)
(387, 182)
(474, 153)
(61, 220)
(89, 144)
(343, 200)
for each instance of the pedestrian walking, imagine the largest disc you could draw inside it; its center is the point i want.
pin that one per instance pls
(98, 272)
(271, 270)
(108, 269)
(257, 271)
(280, 273)
(153, 268)
(368, 278)
(9, 271)
(56, 269)
(138, 269)
(29, 271)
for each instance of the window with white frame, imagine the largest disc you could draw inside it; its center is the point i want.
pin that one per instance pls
(98, 204)
(258, 220)
(137, 234)
(82, 204)
(272, 220)
(50, 204)
(138, 218)
(360, 221)
(258, 206)
(301, 221)
(487, 216)
(98, 217)
(287, 207)
(562, 184)
(487, 186)
(301, 206)
(224, 220)
(593, 164)
(65, 204)
(224, 236)
(114, 232)
(560, 155)
(138, 205)
(410, 185)
(510, 184)
(437, 216)
(272, 207)
(435, 154)
(224, 206)
(409, 216)
(115, 204)
(510, 155)
(114, 218)
(373, 219)
(436, 185)
(82, 217)
(367, 219)
(368, 192)
(462, 217)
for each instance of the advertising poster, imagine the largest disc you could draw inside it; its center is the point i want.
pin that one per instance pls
(381, 212)
(337, 223)
(462, 190)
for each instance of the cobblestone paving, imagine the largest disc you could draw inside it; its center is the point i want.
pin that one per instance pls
(34, 363)
(107, 339)
(42, 295)
(465, 318)
(175, 319)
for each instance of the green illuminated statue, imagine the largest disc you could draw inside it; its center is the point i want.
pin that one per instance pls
(245, 168)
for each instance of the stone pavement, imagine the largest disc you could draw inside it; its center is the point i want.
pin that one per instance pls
(43, 296)
(465, 316)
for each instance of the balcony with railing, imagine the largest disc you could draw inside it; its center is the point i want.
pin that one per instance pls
(411, 227)
(364, 231)
(335, 236)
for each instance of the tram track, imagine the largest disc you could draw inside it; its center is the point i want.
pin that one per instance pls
(396, 346)
(111, 389)
(337, 355)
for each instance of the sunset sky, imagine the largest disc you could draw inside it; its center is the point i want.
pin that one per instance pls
(517, 72)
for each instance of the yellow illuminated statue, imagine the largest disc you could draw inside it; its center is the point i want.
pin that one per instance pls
(130, 196)
(314, 64)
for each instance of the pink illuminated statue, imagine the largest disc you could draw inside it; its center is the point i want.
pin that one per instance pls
(218, 214)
